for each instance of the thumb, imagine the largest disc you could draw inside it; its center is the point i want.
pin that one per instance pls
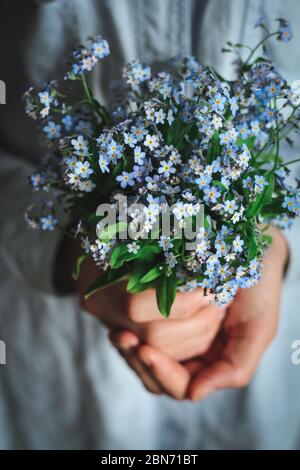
(171, 376)
(232, 369)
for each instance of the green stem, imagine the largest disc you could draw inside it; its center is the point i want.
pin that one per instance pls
(97, 107)
(87, 90)
(280, 129)
(259, 45)
(277, 141)
(289, 163)
(277, 148)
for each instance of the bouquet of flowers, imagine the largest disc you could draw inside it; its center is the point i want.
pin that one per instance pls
(175, 186)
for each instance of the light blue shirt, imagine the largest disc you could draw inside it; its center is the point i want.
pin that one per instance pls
(64, 385)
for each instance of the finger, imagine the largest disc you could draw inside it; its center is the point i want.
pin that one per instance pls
(124, 339)
(172, 377)
(194, 366)
(233, 369)
(142, 372)
(185, 338)
(142, 307)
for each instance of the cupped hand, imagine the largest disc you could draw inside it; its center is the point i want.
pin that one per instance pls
(248, 328)
(189, 331)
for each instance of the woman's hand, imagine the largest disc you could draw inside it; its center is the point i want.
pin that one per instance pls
(189, 331)
(249, 326)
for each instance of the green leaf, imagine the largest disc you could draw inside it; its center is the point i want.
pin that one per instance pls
(135, 279)
(173, 131)
(262, 198)
(77, 268)
(117, 170)
(154, 273)
(214, 149)
(268, 157)
(166, 287)
(111, 231)
(249, 142)
(94, 219)
(118, 256)
(267, 238)
(261, 59)
(146, 252)
(252, 246)
(107, 279)
(220, 185)
(139, 287)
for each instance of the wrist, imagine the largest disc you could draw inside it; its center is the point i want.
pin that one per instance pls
(279, 249)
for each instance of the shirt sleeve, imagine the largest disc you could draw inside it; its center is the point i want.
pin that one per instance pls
(28, 254)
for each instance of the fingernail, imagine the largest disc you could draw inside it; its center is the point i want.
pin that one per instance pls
(205, 391)
(126, 346)
(147, 360)
(124, 339)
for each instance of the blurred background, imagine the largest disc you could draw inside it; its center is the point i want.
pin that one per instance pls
(62, 384)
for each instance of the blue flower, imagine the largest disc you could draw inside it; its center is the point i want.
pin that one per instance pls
(114, 150)
(103, 164)
(261, 95)
(139, 172)
(139, 132)
(165, 243)
(230, 206)
(136, 72)
(83, 169)
(255, 127)
(224, 138)
(160, 116)
(203, 181)
(292, 204)
(273, 89)
(259, 183)
(170, 259)
(100, 47)
(67, 121)
(80, 145)
(166, 168)
(37, 181)
(170, 117)
(221, 248)
(48, 222)
(261, 22)
(218, 102)
(285, 31)
(211, 194)
(247, 183)
(151, 141)
(253, 267)
(133, 248)
(84, 127)
(139, 156)
(52, 130)
(126, 179)
(46, 99)
(233, 105)
(237, 244)
(270, 114)
(243, 130)
(130, 139)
